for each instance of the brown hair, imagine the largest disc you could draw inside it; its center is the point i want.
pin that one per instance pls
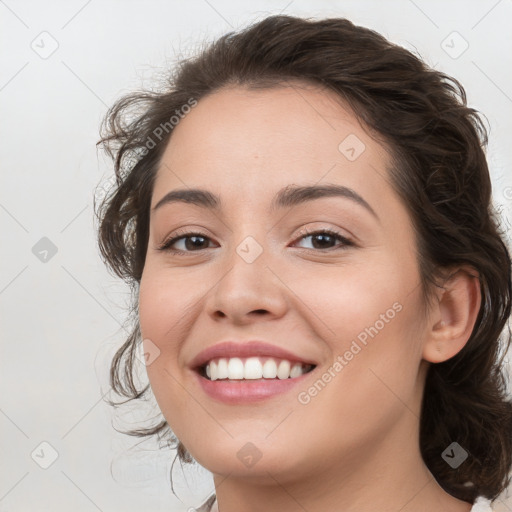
(439, 170)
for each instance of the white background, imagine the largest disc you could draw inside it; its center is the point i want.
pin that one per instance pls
(61, 319)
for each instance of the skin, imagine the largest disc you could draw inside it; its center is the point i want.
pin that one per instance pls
(354, 446)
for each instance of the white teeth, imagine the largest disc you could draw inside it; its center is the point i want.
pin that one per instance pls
(253, 368)
(283, 371)
(270, 369)
(222, 369)
(213, 371)
(235, 368)
(296, 371)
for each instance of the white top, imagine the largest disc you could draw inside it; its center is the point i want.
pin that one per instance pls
(481, 505)
(210, 505)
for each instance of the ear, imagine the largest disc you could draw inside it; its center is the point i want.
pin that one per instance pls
(452, 319)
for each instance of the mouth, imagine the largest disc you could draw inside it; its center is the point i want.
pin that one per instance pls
(252, 371)
(252, 380)
(236, 369)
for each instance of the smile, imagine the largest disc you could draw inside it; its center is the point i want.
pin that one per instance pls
(238, 381)
(253, 368)
(238, 372)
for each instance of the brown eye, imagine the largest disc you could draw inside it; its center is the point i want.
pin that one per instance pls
(190, 242)
(326, 239)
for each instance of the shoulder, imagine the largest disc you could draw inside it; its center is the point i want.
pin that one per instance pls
(481, 505)
(210, 505)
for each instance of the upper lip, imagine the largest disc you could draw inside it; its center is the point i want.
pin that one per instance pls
(229, 349)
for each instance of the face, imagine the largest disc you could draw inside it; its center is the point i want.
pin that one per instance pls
(330, 278)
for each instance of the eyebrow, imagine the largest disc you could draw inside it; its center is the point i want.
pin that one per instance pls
(291, 195)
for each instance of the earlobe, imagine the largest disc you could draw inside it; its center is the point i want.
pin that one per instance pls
(453, 318)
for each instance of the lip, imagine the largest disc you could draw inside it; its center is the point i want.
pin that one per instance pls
(247, 391)
(256, 348)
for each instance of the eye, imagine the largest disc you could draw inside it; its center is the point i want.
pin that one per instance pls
(193, 241)
(189, 243)
(324, 238)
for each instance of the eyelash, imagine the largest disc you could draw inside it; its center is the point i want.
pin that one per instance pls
(166, 245)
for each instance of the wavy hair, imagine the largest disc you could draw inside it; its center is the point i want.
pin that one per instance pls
(436, 143)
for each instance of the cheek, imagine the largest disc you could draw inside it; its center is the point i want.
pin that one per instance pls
(162, 305)
(350, 298)
(374, 382)
(163, 301)
(369, 315)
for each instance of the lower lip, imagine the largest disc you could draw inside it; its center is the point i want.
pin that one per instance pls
(247, 391)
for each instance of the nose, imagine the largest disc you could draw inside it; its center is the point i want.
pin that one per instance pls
(247, 291)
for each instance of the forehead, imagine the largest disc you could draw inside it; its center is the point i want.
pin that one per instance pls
(246, 143)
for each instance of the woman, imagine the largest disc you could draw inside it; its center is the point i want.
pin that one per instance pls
(320, 282)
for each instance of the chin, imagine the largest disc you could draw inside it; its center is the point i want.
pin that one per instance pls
(246, 459)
